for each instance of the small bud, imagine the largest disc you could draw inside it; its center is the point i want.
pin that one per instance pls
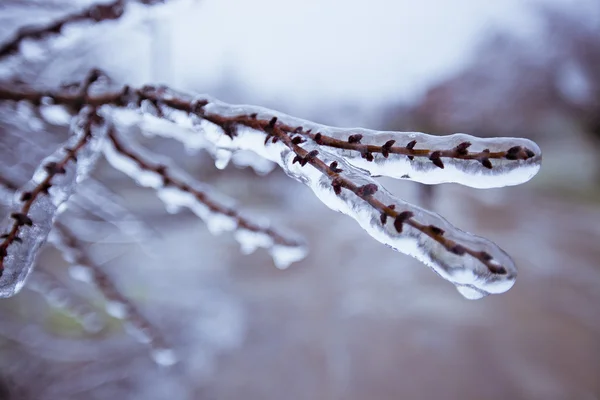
(312, 154)
(383, 218)
(318, 138)
(297, 140)
(486, 163)
(367, 155)
(437, 161)
(461, 149)
(458, 250)
(367, 190)
(529, 153)
(435, 230)
(401, 219)
(334, 168)
(513, 153)
(298, 129)
(21, 219)
(25, 196)
(355, 138)
(485, 256)
(385, 149)
(272, 122)
(411, 144)
(253, 115)
(52, 168)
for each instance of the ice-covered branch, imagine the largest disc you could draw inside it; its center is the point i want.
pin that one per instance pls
(95, 13)
(176, 190)
(337, 166)
(82, 268)
(460, 158)
(37, 205)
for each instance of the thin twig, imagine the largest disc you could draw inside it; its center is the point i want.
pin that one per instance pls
(280, 131)
(95, 12)
(200, 196)
(21, 218)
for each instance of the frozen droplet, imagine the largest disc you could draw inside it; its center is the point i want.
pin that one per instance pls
(164, 357)
(284, 256)
(222, 158)
(81, 273)
(116, 309)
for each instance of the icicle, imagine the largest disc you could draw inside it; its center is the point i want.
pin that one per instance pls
(284, 256)
(34, 211)
(509, 161)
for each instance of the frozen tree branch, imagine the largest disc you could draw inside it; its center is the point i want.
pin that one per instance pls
(94, 13)
(177, 192)
(337, 165)
(43, 198)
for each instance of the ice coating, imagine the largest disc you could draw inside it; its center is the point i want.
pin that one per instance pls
(482, 163)
(179, 127)
(44, 209)
(468, 172)
(221, 218)
(473, 278)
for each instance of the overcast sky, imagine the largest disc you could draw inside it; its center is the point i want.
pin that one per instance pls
(339, 50)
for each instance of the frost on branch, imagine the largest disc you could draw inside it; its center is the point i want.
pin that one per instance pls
(36, 206)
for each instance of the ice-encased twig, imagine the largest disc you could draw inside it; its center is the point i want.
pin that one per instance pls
(56, 294)
(96, 12)
(475, 265)
(82, 268)
(41, 200)
(429, 159)
(177, 190)
(515, 162)
(152, 125)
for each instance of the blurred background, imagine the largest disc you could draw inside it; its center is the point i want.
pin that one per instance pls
(354, 320)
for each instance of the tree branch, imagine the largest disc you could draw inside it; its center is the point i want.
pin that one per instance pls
(95, 13)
